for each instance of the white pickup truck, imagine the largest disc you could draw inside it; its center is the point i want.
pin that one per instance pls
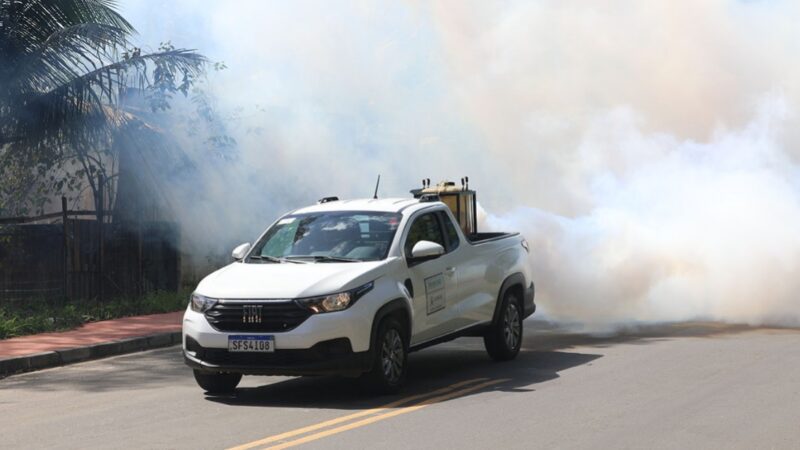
(350, 287)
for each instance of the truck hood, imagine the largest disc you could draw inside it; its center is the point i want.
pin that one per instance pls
(287, 280)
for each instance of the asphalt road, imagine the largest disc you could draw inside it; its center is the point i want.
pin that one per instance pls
(686, 386)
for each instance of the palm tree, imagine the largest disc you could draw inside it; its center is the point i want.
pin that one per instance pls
(63, 66)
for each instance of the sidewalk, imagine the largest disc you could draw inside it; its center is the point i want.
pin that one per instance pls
(90, 341)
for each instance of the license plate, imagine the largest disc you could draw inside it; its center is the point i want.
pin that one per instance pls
(246, 343)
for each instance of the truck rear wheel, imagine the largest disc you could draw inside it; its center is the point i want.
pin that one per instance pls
(391, 355)
(217, 383)
(504, 339)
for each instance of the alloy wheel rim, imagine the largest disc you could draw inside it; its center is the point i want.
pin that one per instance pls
(512, 328)
(392, 355)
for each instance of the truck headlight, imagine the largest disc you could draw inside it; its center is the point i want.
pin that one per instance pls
(334, 302)
(201, 303)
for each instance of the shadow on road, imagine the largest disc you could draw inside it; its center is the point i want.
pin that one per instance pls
(136, 371)
(428, 370)
(551, 336)
(548, 350)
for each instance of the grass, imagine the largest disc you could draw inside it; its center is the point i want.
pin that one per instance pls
(40, 316)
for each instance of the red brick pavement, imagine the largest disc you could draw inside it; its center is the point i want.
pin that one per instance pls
(92, 333)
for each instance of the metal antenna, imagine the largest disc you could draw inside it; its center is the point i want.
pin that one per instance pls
(376, 187)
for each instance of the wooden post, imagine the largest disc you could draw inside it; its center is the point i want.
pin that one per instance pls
(139, 281)
(100, 206)
(66, 247)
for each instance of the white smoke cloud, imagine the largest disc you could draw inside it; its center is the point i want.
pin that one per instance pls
(651, 151)
(690, 231)
(535, 77)
(647, 150)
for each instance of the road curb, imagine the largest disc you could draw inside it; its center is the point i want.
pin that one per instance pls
(38, 361)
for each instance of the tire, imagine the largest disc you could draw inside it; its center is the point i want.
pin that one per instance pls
(504, 339)
(217, 383)
(390, 363)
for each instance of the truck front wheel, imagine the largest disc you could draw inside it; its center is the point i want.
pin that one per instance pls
(217, 383)
(504, 339)
(390, 356)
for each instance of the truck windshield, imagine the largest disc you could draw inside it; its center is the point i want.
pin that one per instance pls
(329, 237)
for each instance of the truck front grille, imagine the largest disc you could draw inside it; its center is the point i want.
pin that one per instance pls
(259, 317)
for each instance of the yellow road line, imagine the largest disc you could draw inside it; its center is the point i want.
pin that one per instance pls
(366, 412)
(397, 412)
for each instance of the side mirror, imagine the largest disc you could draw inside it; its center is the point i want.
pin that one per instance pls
(240, 251)
(425, 250)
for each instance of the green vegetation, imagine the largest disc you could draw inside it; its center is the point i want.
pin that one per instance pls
(65, 68)
(40, 316)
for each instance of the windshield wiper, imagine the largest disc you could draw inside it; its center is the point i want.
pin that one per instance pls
(273, 259)
(267, 258)
(337, 259)
(323, 258)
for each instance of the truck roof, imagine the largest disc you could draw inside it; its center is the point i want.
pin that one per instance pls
(366, 204)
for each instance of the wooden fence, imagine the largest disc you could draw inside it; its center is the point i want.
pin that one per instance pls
(86, 255)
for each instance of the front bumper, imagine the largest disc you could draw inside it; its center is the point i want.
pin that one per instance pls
(353, 323)
(333, 357)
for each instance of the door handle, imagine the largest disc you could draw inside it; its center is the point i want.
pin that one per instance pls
(450, 270)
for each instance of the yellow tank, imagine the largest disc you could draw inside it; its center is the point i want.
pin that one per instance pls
(460, 199)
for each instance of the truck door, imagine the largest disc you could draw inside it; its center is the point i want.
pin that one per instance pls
(434, 281)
